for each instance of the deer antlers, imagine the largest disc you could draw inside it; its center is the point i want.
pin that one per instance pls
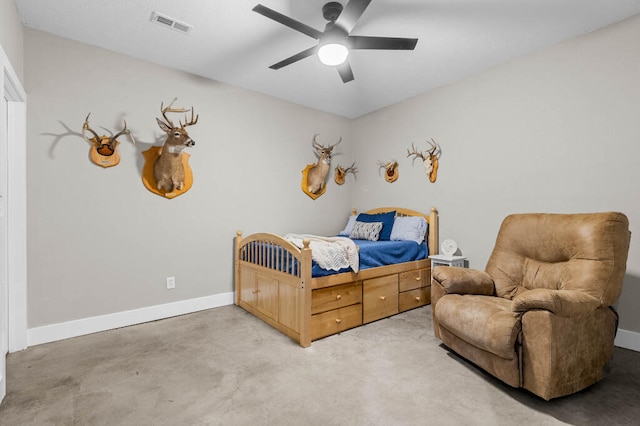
(431, 153)
(341, 172)
(430, 160)
(320, 147)
(415, 152)
(110, 140)
(104, 147)
(391, 170)
(86, 127)
(169, 108)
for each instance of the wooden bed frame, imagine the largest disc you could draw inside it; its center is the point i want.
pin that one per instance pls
(285, 296)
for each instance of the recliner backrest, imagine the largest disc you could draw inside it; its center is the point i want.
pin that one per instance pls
(585, 252)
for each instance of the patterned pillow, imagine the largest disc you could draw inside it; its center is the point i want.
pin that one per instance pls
(366, 231)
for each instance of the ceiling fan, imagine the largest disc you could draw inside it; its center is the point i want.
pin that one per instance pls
(335, 42)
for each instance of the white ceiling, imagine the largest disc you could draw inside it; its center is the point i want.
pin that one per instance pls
(232, 44)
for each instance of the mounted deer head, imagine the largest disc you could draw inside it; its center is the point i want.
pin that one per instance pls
(391, 170)
(429, 159)
(341, 172)
(169, 169)
(317, 175)
(104, 149)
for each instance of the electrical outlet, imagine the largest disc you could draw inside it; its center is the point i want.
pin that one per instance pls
(171, 283)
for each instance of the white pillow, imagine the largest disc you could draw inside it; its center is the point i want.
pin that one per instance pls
(366, 231)
(347, 229)
(409, 228)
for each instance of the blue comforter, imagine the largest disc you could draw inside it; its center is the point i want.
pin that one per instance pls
(380, 253)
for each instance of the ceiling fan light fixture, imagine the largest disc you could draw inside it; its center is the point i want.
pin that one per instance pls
(336, 41)
(333, 54)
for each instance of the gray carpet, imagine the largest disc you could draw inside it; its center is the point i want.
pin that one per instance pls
(225, 367)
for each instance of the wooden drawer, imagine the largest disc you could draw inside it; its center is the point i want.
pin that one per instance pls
(327, 299)
(380, 298)
(414, 298)
(335, 321)
(414, 279)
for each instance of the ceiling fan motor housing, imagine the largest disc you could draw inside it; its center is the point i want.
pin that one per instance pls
(331, 11)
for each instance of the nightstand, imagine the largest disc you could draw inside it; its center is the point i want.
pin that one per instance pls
(446, 260)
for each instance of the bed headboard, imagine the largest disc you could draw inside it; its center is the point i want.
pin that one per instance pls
(432, 220)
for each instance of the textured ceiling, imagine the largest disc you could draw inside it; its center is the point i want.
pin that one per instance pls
(232, 44)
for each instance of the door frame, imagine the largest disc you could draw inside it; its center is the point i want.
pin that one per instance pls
(16, 134)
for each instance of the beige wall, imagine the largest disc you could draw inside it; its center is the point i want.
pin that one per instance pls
(99, 242)
(11, 35)
(555, 131)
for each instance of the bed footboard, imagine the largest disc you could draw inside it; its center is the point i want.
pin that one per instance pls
(273, 282)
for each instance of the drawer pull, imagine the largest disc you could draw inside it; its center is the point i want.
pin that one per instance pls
(338, 320)
(383, 297)
(338, 297)
(418, 278)
(417, 298)
(256, 291)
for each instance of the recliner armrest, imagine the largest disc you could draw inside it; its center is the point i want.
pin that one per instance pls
(566, 303)
(463, 281)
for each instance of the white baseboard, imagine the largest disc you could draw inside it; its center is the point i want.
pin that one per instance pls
(50, 333)
(65, 330)
(628, 340)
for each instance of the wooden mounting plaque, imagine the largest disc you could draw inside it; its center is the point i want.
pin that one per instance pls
(305, 186)
(149, 180)
(103, 160)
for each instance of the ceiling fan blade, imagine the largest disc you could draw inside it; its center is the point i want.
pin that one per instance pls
(385, 43)
(295, 58)
(351, 13)
(345, 72)
(287, 21)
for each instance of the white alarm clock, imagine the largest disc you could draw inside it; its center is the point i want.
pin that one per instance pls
(448, 247)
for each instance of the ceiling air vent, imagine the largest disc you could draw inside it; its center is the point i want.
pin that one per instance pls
(168, 22)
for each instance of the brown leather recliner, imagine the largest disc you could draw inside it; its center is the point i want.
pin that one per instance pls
(539, 316)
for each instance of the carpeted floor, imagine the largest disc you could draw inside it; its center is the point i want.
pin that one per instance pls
(225, 367)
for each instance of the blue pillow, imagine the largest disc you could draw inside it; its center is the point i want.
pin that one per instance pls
(385, 218)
